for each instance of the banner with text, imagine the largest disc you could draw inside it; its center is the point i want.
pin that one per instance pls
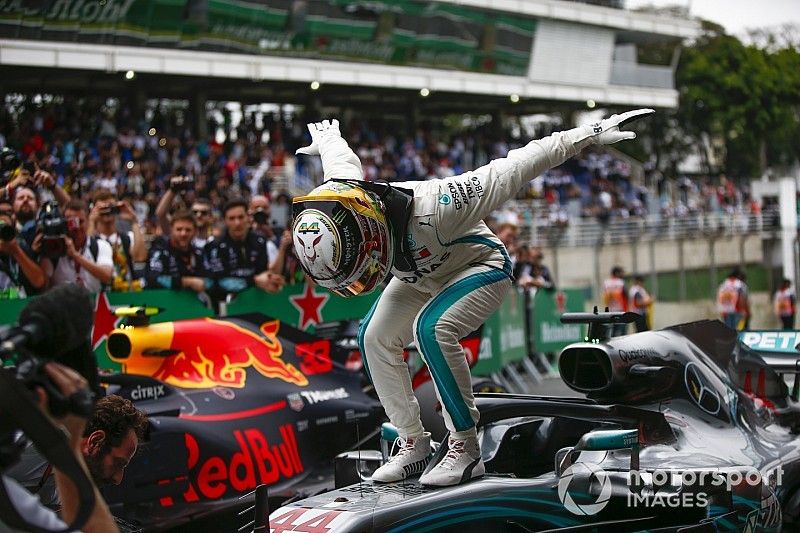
(548, 333)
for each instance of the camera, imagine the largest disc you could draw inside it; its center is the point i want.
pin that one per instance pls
(53, 227)
(181, 183)
(54, 326)
(30, 167)
(9, 163)
(110, 210)
(8, 232)
(260, 216)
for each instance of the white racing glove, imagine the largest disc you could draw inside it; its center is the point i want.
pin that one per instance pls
(338, 160)
(320, 132)
(607, 131)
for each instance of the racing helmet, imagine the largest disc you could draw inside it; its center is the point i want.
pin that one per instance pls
(342, 238)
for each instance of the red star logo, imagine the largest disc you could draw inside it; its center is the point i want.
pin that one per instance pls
(104, 320)
(561, 301)
(309, 304)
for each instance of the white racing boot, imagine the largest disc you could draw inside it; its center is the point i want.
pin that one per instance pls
(461, 463)
(413, 457)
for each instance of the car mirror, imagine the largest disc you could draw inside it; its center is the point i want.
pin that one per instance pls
(594, 441)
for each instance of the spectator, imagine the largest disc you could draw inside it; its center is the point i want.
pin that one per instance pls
(259, 212)
(88, 260)
(507, 232)
(203, 213)
(640, 302)
(285, 263)
(127, 248)
(20, 275)
(109, 441)
(238, 259)
(536, 275)
(84, 149)
(201, 208)
(281, 211)
(785, 303)
(174, 262)
(615, 297)
(732, 301)
(522, 266)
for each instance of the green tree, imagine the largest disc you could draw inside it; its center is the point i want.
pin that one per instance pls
(746, 95)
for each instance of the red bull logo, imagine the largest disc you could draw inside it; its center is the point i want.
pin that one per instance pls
(257, 460)
(202, 353)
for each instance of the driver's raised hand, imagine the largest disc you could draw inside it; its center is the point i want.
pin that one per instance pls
(320, 131)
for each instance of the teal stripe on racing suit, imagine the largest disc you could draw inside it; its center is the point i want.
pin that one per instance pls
(426, 335)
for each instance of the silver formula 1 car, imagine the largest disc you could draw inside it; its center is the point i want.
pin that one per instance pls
(682, 429)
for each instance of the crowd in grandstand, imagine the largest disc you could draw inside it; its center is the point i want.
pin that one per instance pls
(145, 200)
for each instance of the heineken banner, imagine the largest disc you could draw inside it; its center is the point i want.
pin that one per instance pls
(397, 32)
(548, 333)
(306, 306)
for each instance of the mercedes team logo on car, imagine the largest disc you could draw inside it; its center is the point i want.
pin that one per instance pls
(576, 481)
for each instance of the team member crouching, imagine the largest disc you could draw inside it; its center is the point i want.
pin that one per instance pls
(450, 273)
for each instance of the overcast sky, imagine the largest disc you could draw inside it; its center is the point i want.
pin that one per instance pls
(736, 15)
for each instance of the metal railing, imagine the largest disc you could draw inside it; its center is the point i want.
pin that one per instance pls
(591, 232)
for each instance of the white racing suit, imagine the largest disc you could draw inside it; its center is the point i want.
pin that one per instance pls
(463, 273)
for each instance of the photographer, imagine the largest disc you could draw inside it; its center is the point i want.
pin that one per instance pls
(238, 259)
(26, 206)
(259, 211)
(24, 189)
(174, 262)
(127, 248)
(201, 208)
(68, 383)
(20, 275)
(87, 261)
(28, 174)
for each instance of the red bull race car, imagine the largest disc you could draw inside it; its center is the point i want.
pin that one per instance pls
(233, 403)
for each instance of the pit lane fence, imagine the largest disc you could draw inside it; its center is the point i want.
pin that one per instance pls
(513, 346)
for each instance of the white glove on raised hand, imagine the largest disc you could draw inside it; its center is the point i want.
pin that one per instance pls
(320, 132)
(607, 131)
(338, 160)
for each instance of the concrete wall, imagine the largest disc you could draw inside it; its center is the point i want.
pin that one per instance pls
(587, 266)
(667, 314)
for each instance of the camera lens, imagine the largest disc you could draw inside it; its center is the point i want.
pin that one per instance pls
(260, 216)
(7, 231)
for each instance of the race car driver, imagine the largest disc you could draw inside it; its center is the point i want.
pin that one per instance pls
(450, 273)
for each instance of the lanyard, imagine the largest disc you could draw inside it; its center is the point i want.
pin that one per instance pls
(78, 278)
